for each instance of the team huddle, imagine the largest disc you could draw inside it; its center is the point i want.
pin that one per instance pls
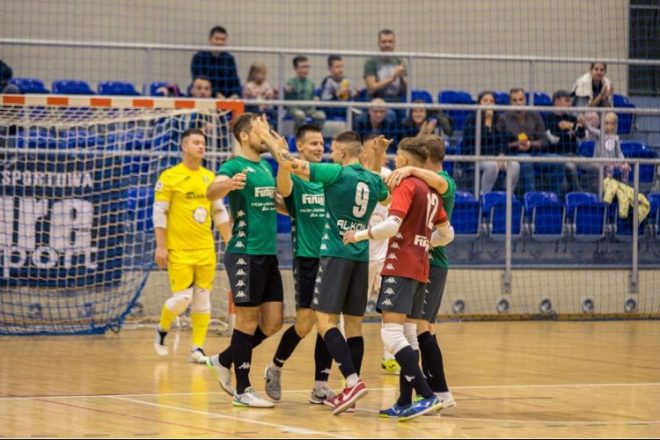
(330, 205)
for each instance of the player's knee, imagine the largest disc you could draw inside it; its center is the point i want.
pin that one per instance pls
(352, 326)
(410, 332)
(201, 301)
(423, 327)
(303, 327)
(178, 302)
(393, 337)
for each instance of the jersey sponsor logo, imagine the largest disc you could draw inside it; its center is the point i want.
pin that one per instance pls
(387, 302)
(241, 262)
(245, 366)
(241, 294)
(264, 191)
(159, 186)
(392, 256)
(240, 273)
(347, 225)
(421, 240)
(390, 280)
(193, 196)
(200, 214)
(240, 213)
(313, 199)
(389, 267)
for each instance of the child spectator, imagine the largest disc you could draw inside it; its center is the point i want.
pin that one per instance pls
(301, 88)
(609, 146)
(257, 87)
(335, 87)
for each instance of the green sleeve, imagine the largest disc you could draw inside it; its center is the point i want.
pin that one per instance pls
(451, 186)
(228, 169)
(382, 190)
(324, 172)
(370, 68)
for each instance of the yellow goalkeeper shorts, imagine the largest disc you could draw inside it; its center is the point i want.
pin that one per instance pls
(191, 268)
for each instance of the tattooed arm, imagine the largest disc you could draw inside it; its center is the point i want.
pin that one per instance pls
(280, 151)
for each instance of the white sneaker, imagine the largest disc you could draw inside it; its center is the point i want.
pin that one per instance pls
(273, 377)
(159, 344)
(446, 399)
(197, 356)
(221, 374)
(320, 394)
(250, 399)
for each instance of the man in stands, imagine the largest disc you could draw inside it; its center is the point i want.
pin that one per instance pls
(218, 66)
(376, 122)
(385, 76)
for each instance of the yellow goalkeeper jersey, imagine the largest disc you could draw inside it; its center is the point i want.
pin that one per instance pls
(189, 212)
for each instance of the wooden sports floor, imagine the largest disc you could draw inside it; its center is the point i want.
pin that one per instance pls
(510, 379)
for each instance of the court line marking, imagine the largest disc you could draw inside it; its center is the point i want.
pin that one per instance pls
(283, 428)
(457, 388)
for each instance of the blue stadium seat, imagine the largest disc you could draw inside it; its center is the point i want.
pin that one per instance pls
(447, 165)
(501, 98)
(587, 216)
(626, 120)
(654, 215)
(586, 148)
(29, 85)
(117, 88)
(465, 217)
(493, 208)
(154, 86)
(421, 95)
(71, 87)
(545, 214)
(456, 97)
(623, 228)
(639, 150)
(139, 206)
(540, 99)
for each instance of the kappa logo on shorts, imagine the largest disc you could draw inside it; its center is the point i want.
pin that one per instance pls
(241, 294)
(316, 290)
(326, 371)
(388, 291)
(387, 302)
(241, 224)
(318, 279)
(390, 280)
(241, 234)
(324, 247)
(240, 214)
(389, 267)
(240, 283)
(316, 301)
(240, 273)
(320, 269)
(241, 262)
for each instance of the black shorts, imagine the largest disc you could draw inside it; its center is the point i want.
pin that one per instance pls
(342, 286)
(304, 280)
(401, 295)
(254, 279)
(434, 290)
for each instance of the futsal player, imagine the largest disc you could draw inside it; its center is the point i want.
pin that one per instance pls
(184, 241)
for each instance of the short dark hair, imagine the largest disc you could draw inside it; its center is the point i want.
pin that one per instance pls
(217, 30)
(304, 129)
(415, 147)
(243, 124)
(332, 59)
(351, 139)
(191, 132)
(299, 59)
(560, 94)
(435, 147)
(201, 78)
(385, 32)
(598, 62)
(516, 90)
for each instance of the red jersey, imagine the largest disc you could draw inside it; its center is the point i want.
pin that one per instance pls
(420, 208)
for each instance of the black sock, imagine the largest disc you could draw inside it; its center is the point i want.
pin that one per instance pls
(432, 362)
(258, 337)
(411, 372)
(162, 335)
(356, 346)
(322, 360)
(339, 350)
(406, 388)
(288, 343)
(241, 350)
(225, 357)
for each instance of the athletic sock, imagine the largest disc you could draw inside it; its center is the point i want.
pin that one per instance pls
(288, 344)
(411, 372)
(258, 338)
(356, 346)
(406, 388)
(200, 325)
(162, 335)
(322, 360)
(241, 351)
(432, 362)
(340, 352)
(166, 318)
(225, 357)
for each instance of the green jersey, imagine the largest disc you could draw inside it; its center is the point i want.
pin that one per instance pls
(351, 194)
(306, 206)
(253, 208)
(438, 254)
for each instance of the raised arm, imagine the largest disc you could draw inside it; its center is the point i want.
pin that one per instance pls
(432, 179)
(280, 151)
(284, 182)
(376, 149)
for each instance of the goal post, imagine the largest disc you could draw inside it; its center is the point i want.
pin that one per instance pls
(76, 190)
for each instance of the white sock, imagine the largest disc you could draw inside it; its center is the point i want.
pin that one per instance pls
(352, 380)
(445, 395)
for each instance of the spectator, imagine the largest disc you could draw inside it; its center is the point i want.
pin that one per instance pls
(375, 122)
(422, 122)
(257, 87)
(492, 144)
(563, 132)
(218, 66)
(301, 88)
(609, 146)
(593, 89)
(524, 134)
(5, 74)
(170, 89)
(335, 87)
(385, 76)
(201, 88)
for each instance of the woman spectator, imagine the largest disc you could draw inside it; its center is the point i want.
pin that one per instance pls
(422, 122)
(492, 144)
(593, 89)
